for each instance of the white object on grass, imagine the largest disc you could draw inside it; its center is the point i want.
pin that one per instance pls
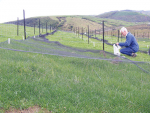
(94, 44)
(8, 40)
(116, 49)
(23, 37)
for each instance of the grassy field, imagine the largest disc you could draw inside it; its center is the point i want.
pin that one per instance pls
(74, 40)
(72, 85)
(10, 31)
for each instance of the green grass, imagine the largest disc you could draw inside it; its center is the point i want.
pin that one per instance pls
(10, 31)
(109, 22)
(73, 40)
(72, 85)
(62, 84)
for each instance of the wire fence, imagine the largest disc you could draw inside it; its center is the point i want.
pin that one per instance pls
(110, 38)
(27, 27)
(34, 45)
(37, 26)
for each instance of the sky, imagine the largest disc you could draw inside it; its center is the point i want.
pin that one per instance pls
(10, 10)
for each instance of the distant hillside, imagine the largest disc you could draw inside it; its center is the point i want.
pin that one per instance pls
(126, 15)
(72, 22)
(144, 12)
(35, 21)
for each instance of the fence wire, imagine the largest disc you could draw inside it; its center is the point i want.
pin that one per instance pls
(39, 44)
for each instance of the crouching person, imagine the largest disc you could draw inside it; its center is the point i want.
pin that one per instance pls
(131, 45)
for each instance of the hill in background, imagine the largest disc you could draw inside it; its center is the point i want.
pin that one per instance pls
(113, 20)
(72, 22)
(35, 21)
(144, 12)
(127, 15)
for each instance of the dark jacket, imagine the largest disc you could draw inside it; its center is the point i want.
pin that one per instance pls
(130, 42)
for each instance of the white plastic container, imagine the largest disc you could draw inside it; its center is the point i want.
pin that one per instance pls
(8, 40)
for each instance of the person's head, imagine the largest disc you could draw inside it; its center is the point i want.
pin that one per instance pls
(123, 31)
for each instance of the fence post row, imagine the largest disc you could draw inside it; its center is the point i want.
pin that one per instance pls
(77, 30)
(88, 31)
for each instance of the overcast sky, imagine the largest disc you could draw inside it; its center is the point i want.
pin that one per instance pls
(11, 9)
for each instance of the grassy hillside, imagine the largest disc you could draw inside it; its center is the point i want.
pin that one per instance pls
(35, 20)
(70, 22)
(113, 20)
(71, 85)
(144, 12)
(78, 21)
(93, 22)
(10, 31)
(126, 15)
(62, 84)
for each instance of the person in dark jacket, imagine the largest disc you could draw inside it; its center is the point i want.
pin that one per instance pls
(131, 45)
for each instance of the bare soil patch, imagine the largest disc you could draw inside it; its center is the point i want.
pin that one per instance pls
(34, 109)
